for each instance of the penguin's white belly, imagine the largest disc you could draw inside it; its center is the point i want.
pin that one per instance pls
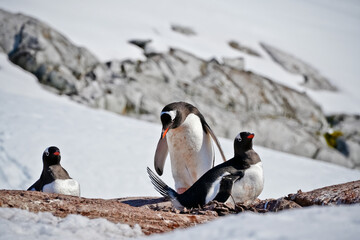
(63, 186)
(191, 151)
(249, 187)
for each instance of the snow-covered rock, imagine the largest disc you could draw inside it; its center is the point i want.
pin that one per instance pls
(312, 78)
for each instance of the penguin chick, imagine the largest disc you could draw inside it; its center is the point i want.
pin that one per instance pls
(54, 178)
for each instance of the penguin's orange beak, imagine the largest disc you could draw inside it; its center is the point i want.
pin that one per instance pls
(164, 133)
(56, 153)
(251, 136)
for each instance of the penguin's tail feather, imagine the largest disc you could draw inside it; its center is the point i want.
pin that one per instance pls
(161, 187)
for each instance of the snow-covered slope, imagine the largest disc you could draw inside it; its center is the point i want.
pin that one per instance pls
(323, 33)
(108, 153)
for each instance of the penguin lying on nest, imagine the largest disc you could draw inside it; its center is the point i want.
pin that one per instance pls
(54, 178)
(241, 177)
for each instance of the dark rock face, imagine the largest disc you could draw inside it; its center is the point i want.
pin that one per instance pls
(230, 98)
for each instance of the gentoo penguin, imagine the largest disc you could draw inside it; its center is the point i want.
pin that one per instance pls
(241, 177)
(187, 137)
(54, 178)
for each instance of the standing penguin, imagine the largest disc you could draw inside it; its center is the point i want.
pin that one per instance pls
(241, 177)
(54, 178)
(187, 137)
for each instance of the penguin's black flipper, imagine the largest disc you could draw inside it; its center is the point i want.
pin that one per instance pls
(160, 186)
(36, 186)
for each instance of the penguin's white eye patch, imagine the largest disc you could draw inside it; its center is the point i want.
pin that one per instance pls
(171, 113)
(238, 137)
(47, 152)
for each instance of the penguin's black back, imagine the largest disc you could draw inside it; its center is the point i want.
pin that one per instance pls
(196, 194)
(49, 175)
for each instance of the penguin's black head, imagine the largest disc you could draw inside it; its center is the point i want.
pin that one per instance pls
(171, 116)
(174, 114)
(51, 156)
(168, 121)
(243, 142)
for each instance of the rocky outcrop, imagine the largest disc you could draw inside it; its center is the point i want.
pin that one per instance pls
(46, 53)
(348, 193)
(155, 215)
(312, 78)
(113, 210)
(231, 98)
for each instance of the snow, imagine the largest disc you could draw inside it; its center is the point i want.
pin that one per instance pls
(44, 226)
(321, 32)
(309, 223)
(108, 154)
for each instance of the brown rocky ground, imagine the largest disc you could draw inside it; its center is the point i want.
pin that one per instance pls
(156, 215)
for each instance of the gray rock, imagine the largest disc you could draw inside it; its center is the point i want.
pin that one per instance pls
(231, 98)
(187, 31)
(145, 45)
(238, 63)
(312, 78)
(349, 143)
(44, 52)
(242, 48)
